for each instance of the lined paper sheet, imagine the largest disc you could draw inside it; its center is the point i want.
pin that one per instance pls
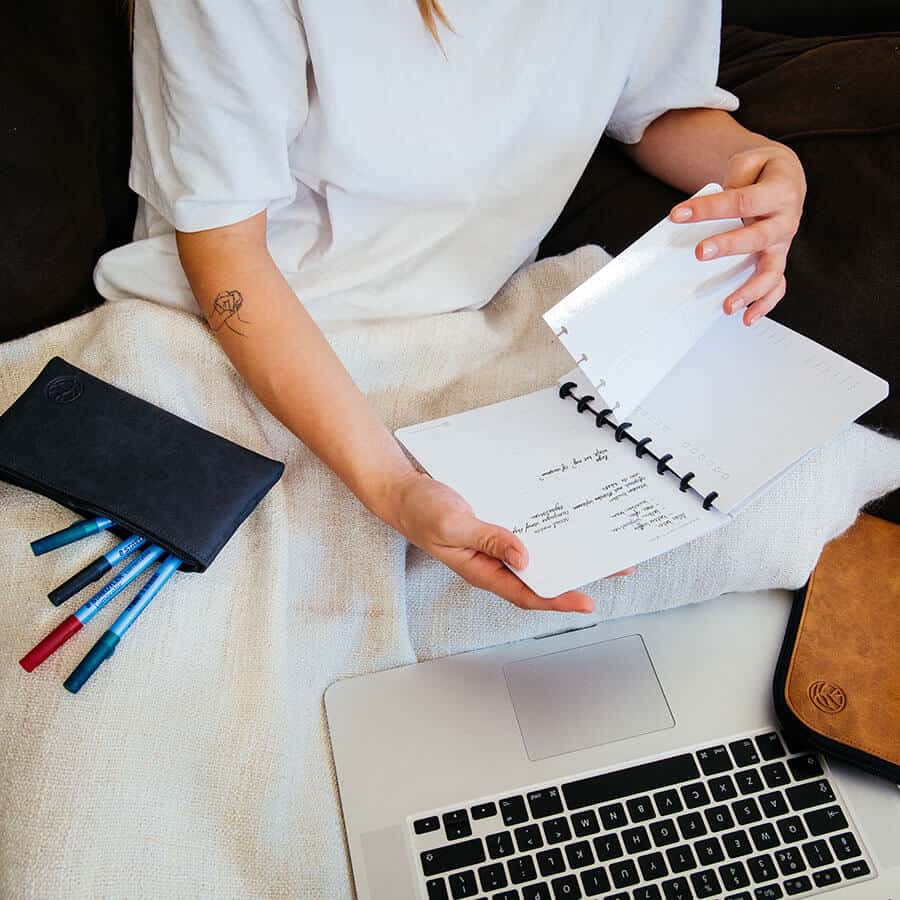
(584, 506)
(630, 323)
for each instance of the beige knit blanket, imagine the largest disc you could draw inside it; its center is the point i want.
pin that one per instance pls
(196, 762)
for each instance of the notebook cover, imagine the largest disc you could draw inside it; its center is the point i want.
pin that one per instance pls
(837, 684)
(101, 451)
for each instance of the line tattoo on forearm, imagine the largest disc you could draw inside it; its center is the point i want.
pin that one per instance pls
(226, 310)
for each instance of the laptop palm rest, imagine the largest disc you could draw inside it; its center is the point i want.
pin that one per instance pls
(592, 695)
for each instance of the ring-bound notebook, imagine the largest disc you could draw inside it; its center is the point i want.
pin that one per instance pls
(676, 417)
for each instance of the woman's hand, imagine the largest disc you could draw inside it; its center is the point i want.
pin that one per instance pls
(436, 519)
(765, 187)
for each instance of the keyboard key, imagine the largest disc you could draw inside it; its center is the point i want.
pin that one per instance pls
(624, 873)
(492, 877)
(714, 760)
(456, 824)
(812, 793)
(557, 830)
(773, 804)
(566, 888)
(648, 892)
(845, 846)
(709, 851)
(499, 844)
(681, 859)
(652, 866)
(770, 746)
(695, 795)
(622, 895)
(668, 802)
(546, 802)
(748, 781)
(722, 788)
(734, 876)
(612, 816)
(736, 843)
(775, 774)
(506, 895)
(608, 847)
(765, 836)
(797, 885)
(453, 856)
(855, 869)
(640, 809)
(768, 892)
(635, 840)
(528, 837)
(551, 862)
(677, 889)
(634, 780)
(691, 825)
(794, 745)
(744, 752)
(595, 881)
(437, 889)
(536, 892)
(823, 821)
(521, 869)
(803, 767)
(664, 832)
(817, 853)
(585, 823)
(484, 810)
(513, 811)
(579, 855)
(462, 884)
(423, 826)
(743, 895)
(791, 829)
(706, 883)
(719, 818)
(762, 868)
(825, 877)
(790, 861)
(746, 811)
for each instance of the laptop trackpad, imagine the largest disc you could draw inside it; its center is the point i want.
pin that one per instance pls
(580, 698)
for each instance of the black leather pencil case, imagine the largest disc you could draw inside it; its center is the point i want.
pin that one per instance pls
(101, 451)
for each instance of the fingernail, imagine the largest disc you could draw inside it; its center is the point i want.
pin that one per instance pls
(708, 250)
(682, 214)
(515, 559)
(586, 608)
(737, 304)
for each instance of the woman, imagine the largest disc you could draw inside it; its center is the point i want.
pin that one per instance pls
(385, 163)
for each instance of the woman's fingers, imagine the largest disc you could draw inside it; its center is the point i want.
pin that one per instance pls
(762, 234)
(768, 276)
(492, 540)
(765, 304)
(746, 202)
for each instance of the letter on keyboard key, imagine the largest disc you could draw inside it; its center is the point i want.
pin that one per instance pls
(714, 760)
(550, 862)
(595, 881)
(624, 873)
(823, 821)
(566, 888)
(454, 856)
(585, 822)
(536, 892)
(681, 859)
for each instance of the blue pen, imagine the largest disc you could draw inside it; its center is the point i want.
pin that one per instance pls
(95, 570)
(69, 535)
(56, 638)
(106, 646)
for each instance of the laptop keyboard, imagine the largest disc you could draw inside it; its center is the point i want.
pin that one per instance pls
(753, 818)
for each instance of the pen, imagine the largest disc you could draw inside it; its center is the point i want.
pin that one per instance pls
(94, 570)
(56, 638)
(106, 646)
(69, 535)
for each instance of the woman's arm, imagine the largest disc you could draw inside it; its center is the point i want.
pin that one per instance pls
(764, 185)
(290, 366)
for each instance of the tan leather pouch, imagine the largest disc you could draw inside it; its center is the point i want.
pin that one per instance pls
(837, 683)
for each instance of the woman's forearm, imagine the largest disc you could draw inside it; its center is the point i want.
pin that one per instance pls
(286, 360)
(688, 148)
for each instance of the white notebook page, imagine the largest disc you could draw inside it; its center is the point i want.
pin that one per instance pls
(583, 505)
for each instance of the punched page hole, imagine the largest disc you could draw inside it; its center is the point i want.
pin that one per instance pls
(585, 697)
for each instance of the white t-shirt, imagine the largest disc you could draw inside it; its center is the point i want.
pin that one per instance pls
(398, 179)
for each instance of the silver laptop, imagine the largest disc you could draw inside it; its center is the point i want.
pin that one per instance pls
(638, 759)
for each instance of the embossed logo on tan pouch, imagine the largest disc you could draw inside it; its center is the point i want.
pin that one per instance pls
(827, 696)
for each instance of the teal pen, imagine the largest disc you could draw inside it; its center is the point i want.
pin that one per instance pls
(106, 645)
(69, 535)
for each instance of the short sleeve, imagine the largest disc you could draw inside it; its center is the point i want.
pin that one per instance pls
(220, 94)
(675, 66)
